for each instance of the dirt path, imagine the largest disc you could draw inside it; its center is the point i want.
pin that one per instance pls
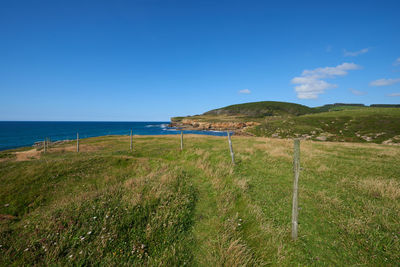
(27, 155)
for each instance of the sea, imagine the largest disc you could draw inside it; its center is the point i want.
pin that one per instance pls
(15, 134)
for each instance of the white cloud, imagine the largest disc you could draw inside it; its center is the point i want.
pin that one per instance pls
(394, 94)
(384, 82)
(356, 53)
(244, 91)
(396, 62)
(356, 92)
(311, 84)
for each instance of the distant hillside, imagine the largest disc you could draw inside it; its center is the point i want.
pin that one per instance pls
(378, 123)
(343, 106)
(258, 111)
(366, 124)
(338, 106)
(262, 109)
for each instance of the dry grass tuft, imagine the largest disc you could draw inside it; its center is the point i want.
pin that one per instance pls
(279, 152)
(242, 184)
(322, 168)
(380, 188)
(228, 250)
(235, 254)
(324, 198)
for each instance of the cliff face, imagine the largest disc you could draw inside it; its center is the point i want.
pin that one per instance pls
(217, 126)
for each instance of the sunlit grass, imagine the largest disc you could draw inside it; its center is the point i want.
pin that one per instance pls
(160, 206)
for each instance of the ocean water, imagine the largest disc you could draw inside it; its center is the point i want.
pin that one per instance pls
(14, 134)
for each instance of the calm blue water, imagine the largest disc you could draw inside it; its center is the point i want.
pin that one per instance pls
(15, 134)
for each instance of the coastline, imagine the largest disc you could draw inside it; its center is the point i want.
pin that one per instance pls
(237, 128)
(38, 144)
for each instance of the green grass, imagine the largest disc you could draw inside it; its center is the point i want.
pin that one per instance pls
(262, 109)
(338, 107)
(336, 122)
(351, 125)
(160, 206)
(253, 111)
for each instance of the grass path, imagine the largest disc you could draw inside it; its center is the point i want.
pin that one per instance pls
(160, 206)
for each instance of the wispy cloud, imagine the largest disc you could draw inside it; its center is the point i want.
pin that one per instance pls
(310, 83)
(356, 92)
(396, 62)
(394, 94)
(384, 82)
(356, 53)
(244, 91)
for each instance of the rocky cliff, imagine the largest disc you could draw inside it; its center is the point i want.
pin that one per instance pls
(189, 124)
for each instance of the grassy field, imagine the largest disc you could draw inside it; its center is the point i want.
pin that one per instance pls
(350, 124)
(160, 206)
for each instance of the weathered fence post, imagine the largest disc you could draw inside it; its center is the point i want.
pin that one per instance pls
(230, 147)
(181, 140)
(131, 141)
(296, 171)
(77, 142)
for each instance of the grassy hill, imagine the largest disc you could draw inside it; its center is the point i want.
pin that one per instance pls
(333, 122)
(160, 206)
(262, 109)
(353, 125)
(254, 111)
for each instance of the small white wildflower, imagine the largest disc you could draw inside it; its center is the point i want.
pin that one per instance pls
(104, 228)
(89, 232)
(70, 256)
(95, 217)
(106, 216)
(26, 249)
(80, 252)
(239, 224)
(82, 238)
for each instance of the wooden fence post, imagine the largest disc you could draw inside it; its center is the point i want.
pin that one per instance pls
(296, 171)
(131, 141)
(181, 140)
(77, 142)
(230, 147)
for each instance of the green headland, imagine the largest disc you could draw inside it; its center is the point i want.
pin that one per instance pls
(334, 122)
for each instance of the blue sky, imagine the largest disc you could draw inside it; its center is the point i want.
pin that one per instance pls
(150, 60)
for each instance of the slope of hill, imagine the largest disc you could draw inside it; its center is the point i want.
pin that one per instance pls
(332, 122)
(262, 109)
(241, 116)
(378, 125)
